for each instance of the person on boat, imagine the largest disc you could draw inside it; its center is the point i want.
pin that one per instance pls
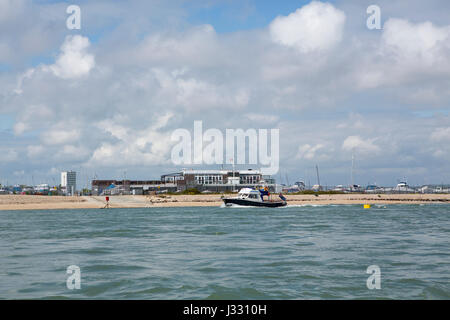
(264, 192)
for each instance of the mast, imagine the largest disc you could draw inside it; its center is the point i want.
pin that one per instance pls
(234, 189)
(318, 178)
(353, 166)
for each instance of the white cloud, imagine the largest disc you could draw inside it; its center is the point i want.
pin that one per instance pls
(258, 118)
(28, 29)
(150, 146)
(308, 152)
(180, 89)
(421, 42)
(8, 156)
(186, 47)
(73, 152)
(34, 151)
(356, 143)
(73, 61)
(60, 136)
(314, 27)
(441, 134)
(31, 117)
(408, 53)
(26, 75)
(20, 127)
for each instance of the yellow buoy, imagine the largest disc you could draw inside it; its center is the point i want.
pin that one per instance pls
(367, 206)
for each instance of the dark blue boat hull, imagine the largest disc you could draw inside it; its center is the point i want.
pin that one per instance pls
(244, 202)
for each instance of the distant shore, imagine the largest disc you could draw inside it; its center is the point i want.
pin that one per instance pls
(32, 202)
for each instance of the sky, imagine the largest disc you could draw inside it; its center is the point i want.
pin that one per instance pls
(104, 100)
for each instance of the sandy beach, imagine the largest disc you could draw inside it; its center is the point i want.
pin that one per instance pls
(31, 202)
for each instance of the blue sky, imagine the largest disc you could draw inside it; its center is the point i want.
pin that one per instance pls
(234, 15)
(229, 15)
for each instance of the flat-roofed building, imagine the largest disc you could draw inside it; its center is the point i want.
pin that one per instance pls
(219, 180)
(202, 180)
(69, 182)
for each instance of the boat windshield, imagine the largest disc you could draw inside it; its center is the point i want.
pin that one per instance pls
(251, 194)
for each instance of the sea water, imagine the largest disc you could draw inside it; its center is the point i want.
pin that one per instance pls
(297, 252)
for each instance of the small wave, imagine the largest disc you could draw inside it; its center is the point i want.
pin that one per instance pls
(307, 205)
(435, 292)
(236, 206)
(146, 292)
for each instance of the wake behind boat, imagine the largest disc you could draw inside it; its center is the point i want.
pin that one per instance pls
(255, 198)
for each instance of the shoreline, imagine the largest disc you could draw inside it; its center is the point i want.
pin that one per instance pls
(33, 202)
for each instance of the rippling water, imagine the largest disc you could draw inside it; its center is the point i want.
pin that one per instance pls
(299, 252)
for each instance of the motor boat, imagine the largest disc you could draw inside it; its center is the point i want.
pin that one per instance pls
(255, 198)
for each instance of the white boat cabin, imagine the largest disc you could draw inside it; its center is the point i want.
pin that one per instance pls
(247, 193)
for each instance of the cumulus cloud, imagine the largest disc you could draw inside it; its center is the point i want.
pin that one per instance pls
(20, 127)
(60, 136)
(180, 89)
(314, 27)
(441, 134)
(150, 146)
(26, 75)
(421, 42)
(28, 29)
(357, 143)
(183, 47)
(32, 117)
(308, 152)
(74, 61)
(408, 52)
(72, 152)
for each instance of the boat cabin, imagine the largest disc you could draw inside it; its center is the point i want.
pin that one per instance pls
(247, 193)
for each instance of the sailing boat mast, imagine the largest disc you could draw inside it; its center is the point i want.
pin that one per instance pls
(318, 178)
(353, 167)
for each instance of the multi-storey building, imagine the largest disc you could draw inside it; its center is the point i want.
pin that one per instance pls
(69, 182)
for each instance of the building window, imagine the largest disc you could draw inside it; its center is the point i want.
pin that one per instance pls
(208, 179)
(249, 179)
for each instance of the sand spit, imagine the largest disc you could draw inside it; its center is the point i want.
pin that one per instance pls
(31, 202)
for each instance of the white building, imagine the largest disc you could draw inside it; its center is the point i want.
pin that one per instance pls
(218, 180)
(69, 182)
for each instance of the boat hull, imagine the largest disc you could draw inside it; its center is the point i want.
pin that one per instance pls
(244, 202)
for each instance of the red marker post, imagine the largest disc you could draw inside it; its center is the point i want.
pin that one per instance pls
(107, 202)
